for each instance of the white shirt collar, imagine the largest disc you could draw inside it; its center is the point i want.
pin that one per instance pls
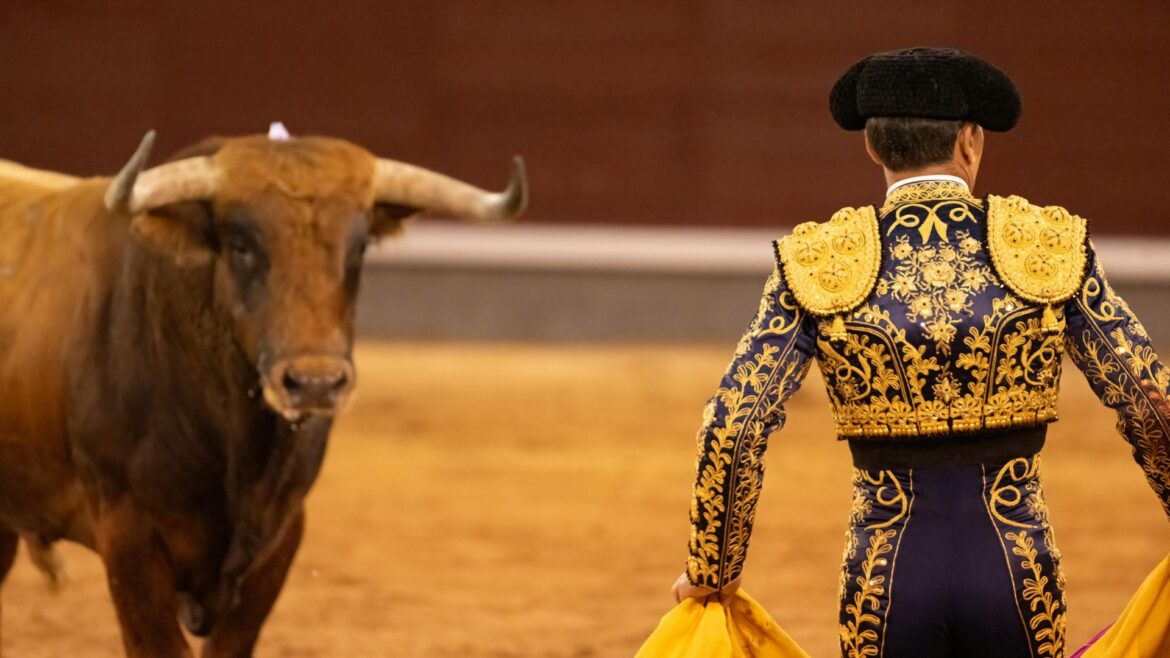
(919, 179)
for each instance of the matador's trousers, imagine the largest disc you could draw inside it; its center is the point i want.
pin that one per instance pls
(951, 562)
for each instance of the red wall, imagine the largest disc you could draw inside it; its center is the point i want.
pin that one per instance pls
(634, 111)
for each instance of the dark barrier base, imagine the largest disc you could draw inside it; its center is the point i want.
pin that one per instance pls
(499, 304)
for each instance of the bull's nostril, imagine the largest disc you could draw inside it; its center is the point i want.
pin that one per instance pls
(314, 384)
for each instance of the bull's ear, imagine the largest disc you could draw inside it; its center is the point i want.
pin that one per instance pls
(388, 219)
(181, 230)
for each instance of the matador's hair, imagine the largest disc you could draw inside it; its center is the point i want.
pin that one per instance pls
(906, 143)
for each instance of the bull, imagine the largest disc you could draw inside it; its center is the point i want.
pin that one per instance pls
(174, 345)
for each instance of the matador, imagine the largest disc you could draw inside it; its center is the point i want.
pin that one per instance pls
(939, 320)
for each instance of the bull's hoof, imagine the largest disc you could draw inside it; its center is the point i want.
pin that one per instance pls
(193, 617)
(45, 558)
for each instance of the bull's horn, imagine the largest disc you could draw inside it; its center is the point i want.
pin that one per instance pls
(122, 187)
(401, 183)
(182, 180)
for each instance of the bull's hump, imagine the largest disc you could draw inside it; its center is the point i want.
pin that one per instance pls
(17, 173)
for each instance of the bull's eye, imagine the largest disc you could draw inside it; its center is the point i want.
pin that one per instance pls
(353, 266)
(241, 250)
(243, 256)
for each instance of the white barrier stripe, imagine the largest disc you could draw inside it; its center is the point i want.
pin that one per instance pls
(596, 247)
(1132, 259)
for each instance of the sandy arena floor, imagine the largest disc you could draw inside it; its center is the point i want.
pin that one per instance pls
(496, 501)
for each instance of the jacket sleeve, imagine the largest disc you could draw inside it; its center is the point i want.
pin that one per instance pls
(769, 363)
(1113, 350)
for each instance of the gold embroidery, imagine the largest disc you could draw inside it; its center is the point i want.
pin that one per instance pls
(780, 323)
(709, 499)
(831, 267)
(857, 640)
(888, 495)
(1038, 507)
(953, 358)
(1016, 492)
(859, 508)
(1137, 421)
(1047, 622)
(1116, 363)
(1107, 309)
(936, 283)
(882, 384)
(730, 470)
(931, 190)
(1008, 494)
(931, 223)
(1099, 302)
(1039, 252)
(861, 629)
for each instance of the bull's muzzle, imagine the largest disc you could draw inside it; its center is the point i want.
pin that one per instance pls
(308, 385)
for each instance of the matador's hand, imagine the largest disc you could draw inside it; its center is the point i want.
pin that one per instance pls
(1156, 398)
(683, 589)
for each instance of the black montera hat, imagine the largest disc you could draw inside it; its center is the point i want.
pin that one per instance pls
(928, 83)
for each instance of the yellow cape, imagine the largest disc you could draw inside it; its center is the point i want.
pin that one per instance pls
(1143, 629)
(743, 629)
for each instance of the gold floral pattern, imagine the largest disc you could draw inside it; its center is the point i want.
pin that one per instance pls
(928, 190)
(860, 633)
(889, 375)
(1113, 350)
(768, 367)
(941, 346)
(1016, 507)
(859, 508)
(1047, 606)
(1039, 251)
(832, 266)
(1005, 373)
(866, 598)
(937, 283)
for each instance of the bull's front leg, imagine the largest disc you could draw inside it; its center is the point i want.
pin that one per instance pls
(142, 584)
(235, 635)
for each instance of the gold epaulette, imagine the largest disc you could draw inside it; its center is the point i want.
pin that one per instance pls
(1038, 251)
(831, 267)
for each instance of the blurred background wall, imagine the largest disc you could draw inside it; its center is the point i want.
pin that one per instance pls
(684, 113)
